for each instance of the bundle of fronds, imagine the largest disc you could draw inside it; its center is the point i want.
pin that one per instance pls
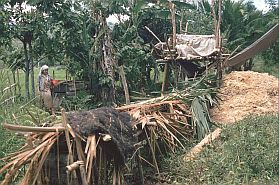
(171, 119)
(94, 145)
(91, 152)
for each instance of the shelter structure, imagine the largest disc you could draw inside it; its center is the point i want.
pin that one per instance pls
(191, 54)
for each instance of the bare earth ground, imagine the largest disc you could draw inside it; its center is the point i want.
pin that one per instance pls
(246, 92)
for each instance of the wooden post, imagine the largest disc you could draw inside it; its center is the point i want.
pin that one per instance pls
(219, 23)
(124, 84)
(172, 9)
(215, 22)
(166, 70)
(165, 79)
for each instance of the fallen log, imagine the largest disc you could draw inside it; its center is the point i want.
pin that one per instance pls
(198, 148)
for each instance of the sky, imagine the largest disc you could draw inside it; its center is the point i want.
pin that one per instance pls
(260, 5)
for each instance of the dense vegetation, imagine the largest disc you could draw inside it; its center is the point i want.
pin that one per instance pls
(246, 153)
(76, 34)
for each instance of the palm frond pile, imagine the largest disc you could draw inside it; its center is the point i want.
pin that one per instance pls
(94, 147)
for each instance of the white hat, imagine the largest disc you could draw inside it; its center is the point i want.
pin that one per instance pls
(44, 67)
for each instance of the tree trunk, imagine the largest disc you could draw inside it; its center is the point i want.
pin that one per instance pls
(27, 94)
(32, 70)
(124, 84)
(108, 66)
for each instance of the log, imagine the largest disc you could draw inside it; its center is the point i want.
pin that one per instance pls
(21, 128)
(198, 148)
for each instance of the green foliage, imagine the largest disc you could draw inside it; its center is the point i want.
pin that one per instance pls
(82, 101)
(246, 153)
(201, 119)
(270, 56)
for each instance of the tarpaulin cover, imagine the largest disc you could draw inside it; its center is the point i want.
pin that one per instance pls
(193, 46)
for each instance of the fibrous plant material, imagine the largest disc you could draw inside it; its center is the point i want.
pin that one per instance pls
(97, 144)
(48, 152)
(244, 93)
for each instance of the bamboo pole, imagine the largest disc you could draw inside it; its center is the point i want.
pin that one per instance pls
(32, 129)
(153, 34)
(81, 157)
(74, 166)
(68, 140)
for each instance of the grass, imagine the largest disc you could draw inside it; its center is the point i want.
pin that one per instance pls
(16, 111)
(246, 153)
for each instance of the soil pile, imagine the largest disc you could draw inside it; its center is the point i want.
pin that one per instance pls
(106, 121)
(246, 92)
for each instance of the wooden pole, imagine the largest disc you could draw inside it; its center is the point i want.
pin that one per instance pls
(172, 9)
(81, 157)
(152, 33)
(68, 141)
(219, 23)
(165, 79)
(166, 70)
(32, 129)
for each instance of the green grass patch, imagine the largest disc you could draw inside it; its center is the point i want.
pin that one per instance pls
(261, 66)
(245, 153)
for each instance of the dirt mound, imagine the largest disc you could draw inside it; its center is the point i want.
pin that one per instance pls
(106, 121)
(244, 93)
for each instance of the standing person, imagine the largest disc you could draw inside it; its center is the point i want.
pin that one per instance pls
(45, 88)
